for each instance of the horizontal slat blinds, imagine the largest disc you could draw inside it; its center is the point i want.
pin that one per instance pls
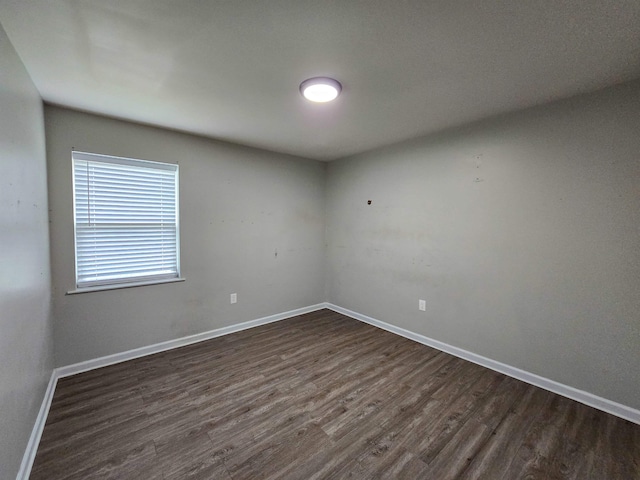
(126, 220)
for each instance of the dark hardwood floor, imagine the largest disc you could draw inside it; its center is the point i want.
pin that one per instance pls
(322, 396)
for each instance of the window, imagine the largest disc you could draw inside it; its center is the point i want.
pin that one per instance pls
(126, 221)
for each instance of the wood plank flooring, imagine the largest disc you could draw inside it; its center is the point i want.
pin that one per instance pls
(322, 396)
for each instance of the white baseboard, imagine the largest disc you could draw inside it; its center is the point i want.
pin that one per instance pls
(587, 398)
(581, 396)
(179, 342)
(32, 445)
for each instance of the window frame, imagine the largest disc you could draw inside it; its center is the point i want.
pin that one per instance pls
(124, 282)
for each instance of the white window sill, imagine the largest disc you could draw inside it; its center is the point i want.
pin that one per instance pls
(116, 286)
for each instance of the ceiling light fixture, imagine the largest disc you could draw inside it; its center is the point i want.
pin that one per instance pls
(320, 89)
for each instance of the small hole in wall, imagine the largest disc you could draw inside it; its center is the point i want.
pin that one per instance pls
(368, 202)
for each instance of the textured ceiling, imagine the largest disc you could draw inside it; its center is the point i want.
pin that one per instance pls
(230, 69)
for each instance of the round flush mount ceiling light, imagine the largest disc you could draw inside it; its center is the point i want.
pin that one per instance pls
(320, 89)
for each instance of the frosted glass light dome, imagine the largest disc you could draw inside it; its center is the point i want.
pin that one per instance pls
(320, 89)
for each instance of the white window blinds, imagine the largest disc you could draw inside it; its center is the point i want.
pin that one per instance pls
(126, 220)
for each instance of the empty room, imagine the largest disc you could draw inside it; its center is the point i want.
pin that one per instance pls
(319, 240)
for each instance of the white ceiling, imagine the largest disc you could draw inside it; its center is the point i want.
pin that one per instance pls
(230, 69)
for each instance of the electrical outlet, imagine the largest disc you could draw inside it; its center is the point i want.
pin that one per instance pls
(422, 305)
(233, 298)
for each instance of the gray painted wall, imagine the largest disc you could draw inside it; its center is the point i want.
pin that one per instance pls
(26, 351)
(522, 233)
(252, 223)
